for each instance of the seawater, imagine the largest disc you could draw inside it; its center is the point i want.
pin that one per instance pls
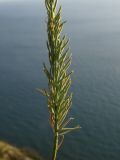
(94, 31)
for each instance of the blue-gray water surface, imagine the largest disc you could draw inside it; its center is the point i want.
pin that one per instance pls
(94, 31)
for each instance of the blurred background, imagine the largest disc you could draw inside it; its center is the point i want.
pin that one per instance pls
(94, 31)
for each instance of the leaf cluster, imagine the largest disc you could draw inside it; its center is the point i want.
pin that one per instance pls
(59, 74)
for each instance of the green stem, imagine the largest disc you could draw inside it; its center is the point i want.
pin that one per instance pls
(55, 147)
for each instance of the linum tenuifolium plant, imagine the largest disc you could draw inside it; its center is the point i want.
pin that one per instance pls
(58, 74)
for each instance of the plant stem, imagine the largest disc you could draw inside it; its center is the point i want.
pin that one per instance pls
(55, 147)
(55, 143)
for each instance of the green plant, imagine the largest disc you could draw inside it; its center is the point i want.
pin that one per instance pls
(58, 74)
